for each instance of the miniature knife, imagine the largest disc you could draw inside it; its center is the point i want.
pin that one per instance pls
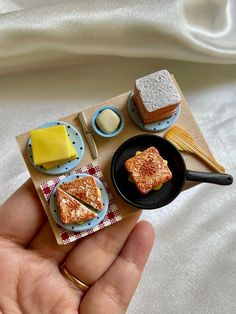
(91, 143)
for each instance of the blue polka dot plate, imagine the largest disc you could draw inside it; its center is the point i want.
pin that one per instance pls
(76, 140)
(89, 223)
(152, 127)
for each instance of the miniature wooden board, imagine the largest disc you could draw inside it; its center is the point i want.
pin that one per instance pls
(107, 146)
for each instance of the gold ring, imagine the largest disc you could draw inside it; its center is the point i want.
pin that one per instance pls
(68, 275)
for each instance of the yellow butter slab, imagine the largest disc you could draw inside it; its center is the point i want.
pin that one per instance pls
(50, 144)
(53, 164)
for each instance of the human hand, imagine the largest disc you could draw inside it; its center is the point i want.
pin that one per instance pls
(110, 261)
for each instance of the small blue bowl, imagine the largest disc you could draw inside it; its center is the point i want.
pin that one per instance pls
(101, 133)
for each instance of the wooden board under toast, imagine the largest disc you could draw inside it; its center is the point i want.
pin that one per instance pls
(107, 146)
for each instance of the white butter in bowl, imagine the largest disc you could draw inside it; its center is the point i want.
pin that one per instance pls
(108, 121)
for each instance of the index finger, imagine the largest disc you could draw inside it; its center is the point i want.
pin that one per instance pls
(22, 215)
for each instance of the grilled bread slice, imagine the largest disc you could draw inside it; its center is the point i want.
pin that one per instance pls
(148, 170)
(72, 211)
(85, 190)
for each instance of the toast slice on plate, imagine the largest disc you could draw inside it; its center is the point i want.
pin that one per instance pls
(71, 210)
(85, 190)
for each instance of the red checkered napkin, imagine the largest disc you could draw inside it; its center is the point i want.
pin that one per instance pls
(113, 214)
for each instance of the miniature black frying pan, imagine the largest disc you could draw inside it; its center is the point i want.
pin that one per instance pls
(171, 189)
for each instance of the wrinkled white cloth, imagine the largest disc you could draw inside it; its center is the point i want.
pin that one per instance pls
(192, 265)
(36, 33)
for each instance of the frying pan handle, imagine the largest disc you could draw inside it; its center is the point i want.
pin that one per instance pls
(217, 178)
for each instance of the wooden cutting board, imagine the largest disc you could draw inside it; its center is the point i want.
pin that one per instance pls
(107, 146)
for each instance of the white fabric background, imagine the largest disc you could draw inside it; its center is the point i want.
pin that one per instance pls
(34, 33)
(192, 265)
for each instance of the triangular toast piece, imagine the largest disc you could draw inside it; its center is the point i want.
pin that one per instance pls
(85, 190)
(71, 210)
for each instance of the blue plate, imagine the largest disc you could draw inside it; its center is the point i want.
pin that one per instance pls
(89, 223)
(152, 127)
(76, 140)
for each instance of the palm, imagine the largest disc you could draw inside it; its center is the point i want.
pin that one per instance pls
(31, 281)
(34, 282)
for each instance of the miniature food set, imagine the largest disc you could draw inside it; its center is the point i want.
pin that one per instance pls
(68, 210)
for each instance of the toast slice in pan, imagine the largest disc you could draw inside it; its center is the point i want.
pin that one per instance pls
(148, 169)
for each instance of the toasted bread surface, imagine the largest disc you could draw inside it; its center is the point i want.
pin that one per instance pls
(71, 210)
(148, 170)
(84, 189)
